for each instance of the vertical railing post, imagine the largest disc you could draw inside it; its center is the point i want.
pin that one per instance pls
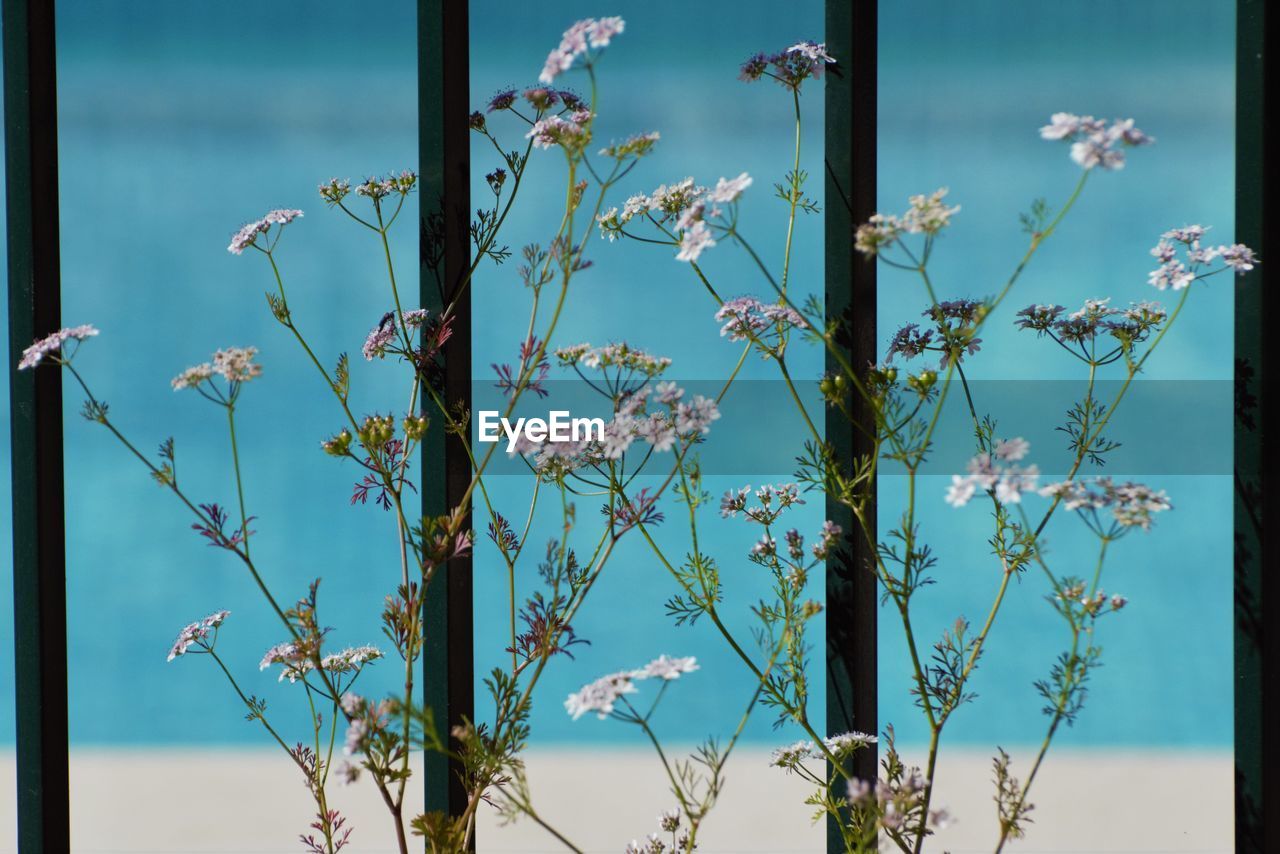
(35, 405)
(851, 296)
(1257, 602)
(444, 145)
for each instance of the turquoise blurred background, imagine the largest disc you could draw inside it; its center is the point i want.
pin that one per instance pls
(179, 122)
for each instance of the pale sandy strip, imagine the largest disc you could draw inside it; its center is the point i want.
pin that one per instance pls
(150, 801)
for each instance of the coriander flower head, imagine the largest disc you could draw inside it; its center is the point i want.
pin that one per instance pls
(1093, 141)
(578, 41)
(995, 474)
(195, 634)
(249, 232)
(54, 343)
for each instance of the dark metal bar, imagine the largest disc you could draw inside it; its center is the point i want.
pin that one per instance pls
(444, 155)
(1257, 660)
(851, 295)
(35, 405)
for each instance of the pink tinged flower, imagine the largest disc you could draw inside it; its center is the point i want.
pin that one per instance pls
(1014, 481)
(1173, 274)
(357, 733)
(600, 696)
(734, 501)
(695, 416)
(1238, 257)
(575, 41)
(846, 743)
(986, 472)
(196, 632)
(554, 130)
(618, 436)
(1118, 602)
(192, 377)
(599, 32)
(766, 546)
(876, 234)
(1012, 449)
(728, 190)
(961, 490)
(667, 392)
(53, 343)
(658, 431)
(558, 61)
(816, 51)
(1124, 131)
(1164, 252)
(1188, 234)
(282, 216)
(351, 659)
(296, 664)
(694, 241)
(248, 233)
(666, 668)
(379, 338)
(236, 365)
(827, 538)
(1061, 126)
(245, 237)
(1095, 151)
(1093, 143)
(189, 635)
(928, 214)
(792, 755)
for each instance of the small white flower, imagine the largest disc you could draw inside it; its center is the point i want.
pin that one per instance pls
(600, 696)
(728, 190)
(53, 343)
(694, 240)
(666, 668)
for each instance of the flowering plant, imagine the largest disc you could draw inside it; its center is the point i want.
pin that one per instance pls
(650, 418)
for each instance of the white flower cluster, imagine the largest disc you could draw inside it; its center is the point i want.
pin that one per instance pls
(297, 664)
(766, 512)
(195, 633)
(53, 343)
(248, 233)
(1093, 141)
(1177, 273)
(1131, 504)
(745, 318)
(571, 132)
(926, 215)
(234, 364)
(996, 474)
(659, 415)
(690, 205)
(840, 746)
(601, 695)
(619, 355)
(384, 334)
(587, 33)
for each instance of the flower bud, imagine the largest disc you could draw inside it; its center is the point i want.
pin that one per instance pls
(923, 382)
(376, 431)
(833, 387)
(415, 427)
(339, 445)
